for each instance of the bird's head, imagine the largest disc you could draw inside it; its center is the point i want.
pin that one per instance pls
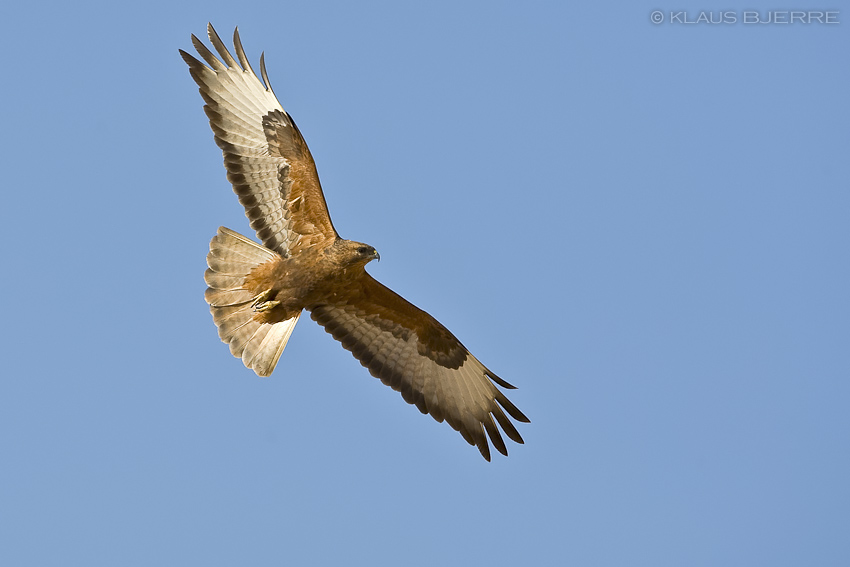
(366, 253)
(357, 253)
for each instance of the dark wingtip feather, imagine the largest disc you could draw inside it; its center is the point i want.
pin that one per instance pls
(240, 52)
(484, 449)
(511, 408)
(264, 74)
(207, 55)
(499, 381)
(220, 47)
(190, 61)
(495, 436)
(507, 426)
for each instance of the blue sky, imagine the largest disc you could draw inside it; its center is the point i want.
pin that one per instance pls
(642, 226)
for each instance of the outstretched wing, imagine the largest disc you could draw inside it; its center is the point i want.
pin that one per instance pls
(414, 354)
(267, 159)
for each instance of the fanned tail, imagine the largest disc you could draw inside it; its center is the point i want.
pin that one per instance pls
(231, 259)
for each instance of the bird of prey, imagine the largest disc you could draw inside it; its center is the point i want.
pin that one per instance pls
(257, 293)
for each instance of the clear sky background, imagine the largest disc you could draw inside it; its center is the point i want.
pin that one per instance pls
(644, 227)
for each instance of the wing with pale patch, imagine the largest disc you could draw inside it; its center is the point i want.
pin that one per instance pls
(414, 354)
(267, 160)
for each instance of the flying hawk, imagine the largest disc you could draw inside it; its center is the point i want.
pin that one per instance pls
(256, 293)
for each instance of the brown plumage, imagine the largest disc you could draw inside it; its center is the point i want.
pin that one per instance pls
(256, 293)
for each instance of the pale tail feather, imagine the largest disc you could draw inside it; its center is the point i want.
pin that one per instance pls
(231, 258)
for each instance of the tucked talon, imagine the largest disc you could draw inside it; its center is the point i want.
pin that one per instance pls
(261, 302)
(262, 296)
(266, 305)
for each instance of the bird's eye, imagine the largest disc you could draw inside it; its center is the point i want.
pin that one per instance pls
(362, 250)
